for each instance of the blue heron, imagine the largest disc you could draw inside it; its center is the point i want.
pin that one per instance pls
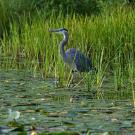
(74, 58)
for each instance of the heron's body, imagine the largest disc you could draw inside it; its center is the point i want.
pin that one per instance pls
(74, 58)
(77, 60)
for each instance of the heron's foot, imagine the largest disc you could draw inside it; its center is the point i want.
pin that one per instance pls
(70, 85)
(71, 82)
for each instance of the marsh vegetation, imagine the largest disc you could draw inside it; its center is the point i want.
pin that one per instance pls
(106, 36)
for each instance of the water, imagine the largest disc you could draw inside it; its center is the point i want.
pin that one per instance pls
(52, 109)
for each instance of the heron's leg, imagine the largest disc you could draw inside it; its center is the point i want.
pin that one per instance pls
(70, 80)
(73, 78)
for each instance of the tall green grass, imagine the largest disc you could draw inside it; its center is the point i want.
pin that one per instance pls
(109, 39)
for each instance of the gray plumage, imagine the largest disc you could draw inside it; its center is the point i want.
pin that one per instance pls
(74, 58)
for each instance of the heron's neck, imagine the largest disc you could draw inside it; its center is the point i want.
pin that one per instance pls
(63, 43)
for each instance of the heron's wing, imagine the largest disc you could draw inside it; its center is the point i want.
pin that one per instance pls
(82, 62)
(70, 58)
(71, 53)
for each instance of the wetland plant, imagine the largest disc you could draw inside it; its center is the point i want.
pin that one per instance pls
(131, 72)
(106, 39)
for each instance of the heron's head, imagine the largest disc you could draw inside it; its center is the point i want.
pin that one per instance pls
(61, 31)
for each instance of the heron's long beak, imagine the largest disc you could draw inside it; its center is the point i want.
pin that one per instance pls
(54, 30)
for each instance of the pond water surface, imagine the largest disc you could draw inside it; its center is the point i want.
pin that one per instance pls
(52, 109)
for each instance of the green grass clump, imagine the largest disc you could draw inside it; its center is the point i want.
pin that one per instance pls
(108, 39)
(11, 10)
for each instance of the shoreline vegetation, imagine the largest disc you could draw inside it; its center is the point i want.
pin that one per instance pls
(108, 39)
(34, 95)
